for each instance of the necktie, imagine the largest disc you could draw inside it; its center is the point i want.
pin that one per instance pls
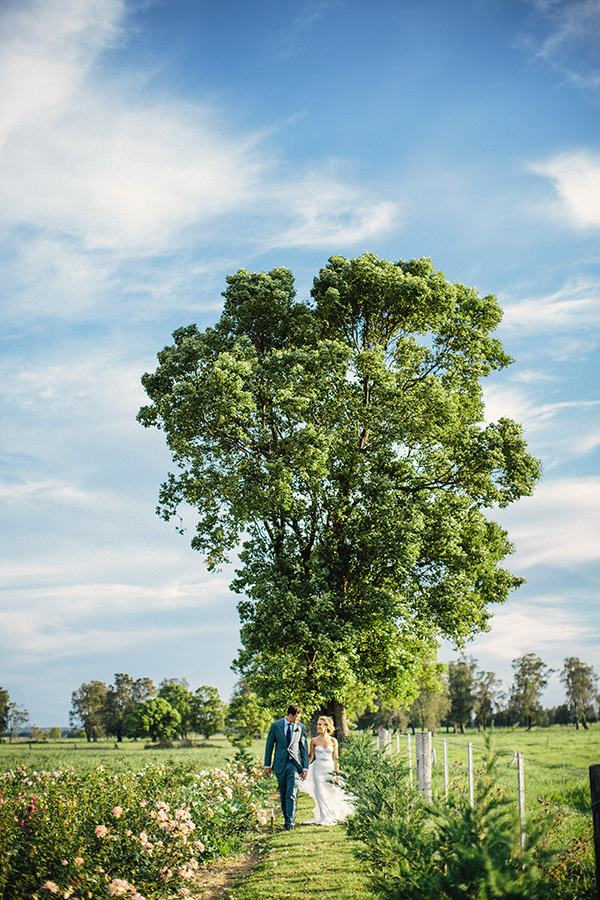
(289, 732)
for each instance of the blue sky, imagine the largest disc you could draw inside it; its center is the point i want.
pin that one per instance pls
(147, 150)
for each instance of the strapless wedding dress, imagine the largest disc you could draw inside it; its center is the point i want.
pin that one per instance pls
(332, 803)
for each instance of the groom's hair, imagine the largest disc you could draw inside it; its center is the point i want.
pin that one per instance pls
(293, 709)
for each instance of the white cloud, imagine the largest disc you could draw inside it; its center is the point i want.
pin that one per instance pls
(575, 307)
(576, 177)
(543, 620)
(327, 210)
(97, 174)
(557, 431)
(559, 526)
(551, 625)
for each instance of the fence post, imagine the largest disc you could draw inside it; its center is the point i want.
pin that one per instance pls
(410, 765)
(398, 743)
(384, 739)
(595, 791)
(470, 766)
(521, 789)
(446, 789)
(423, 745)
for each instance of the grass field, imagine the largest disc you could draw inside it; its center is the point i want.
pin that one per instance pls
(122, 757)
(556, 761)
(311, 861)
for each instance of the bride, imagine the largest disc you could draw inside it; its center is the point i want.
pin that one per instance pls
(331, 802)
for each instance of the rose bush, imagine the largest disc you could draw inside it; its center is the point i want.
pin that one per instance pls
(136, 835)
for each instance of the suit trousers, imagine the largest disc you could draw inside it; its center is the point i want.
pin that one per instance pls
(287, 781)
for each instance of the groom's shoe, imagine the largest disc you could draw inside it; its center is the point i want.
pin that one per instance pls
(289, 827)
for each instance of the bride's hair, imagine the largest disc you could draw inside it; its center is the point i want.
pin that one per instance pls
(328, 722)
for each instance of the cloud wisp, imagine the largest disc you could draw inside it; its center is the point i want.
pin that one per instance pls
(565, 35)
(98, 174)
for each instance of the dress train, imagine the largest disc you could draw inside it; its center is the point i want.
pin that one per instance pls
(332, 803)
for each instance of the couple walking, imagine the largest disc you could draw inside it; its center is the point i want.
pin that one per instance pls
(312, 771)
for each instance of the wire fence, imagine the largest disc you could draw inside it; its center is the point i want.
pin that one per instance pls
(448, 773)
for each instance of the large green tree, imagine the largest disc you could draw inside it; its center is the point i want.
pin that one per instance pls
(154, 718)
(4, 701)
(343, 440)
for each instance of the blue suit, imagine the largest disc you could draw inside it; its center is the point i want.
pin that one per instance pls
(288, 763)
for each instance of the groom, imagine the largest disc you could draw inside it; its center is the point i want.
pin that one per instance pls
(288, 737)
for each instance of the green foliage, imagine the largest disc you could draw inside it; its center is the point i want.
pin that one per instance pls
(87, 707)
(86, 836)
(430, 707)
(121, 700)
(176, 692)
(4, 701)
(580, 682)
(419, 850)
(155, 718)
(461, 686)
(344, 439)
(531, 677)
(245, 720)
(207, 711)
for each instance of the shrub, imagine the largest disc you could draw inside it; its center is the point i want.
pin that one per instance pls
(140, 834)
(418, 850)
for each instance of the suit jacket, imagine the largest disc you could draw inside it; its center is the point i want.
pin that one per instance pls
(297, 750)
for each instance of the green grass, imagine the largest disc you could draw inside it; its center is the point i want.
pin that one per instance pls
(305, 864)
(556, 761)
(311, 861)
(122, 757)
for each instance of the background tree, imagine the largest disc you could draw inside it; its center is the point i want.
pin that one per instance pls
(88, 708)
(207, 711)
(487, 697)
(345, 439)
(121, 699)
(377, 714)
(580, 682)
(55, 733)
(461, 691)
(154, 718)
(530, 679)
(177, 692)
(17, 717)
(4, 701)
(246, 716)
(430, 707)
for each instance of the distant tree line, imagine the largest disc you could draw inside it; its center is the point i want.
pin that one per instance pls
(135, 708)
(468, 697)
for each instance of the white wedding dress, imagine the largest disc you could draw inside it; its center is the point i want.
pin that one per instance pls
(332, 803)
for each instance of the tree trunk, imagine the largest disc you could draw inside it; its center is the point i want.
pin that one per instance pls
(336, 711)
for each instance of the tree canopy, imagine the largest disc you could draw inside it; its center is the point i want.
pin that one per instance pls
(342, 440)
